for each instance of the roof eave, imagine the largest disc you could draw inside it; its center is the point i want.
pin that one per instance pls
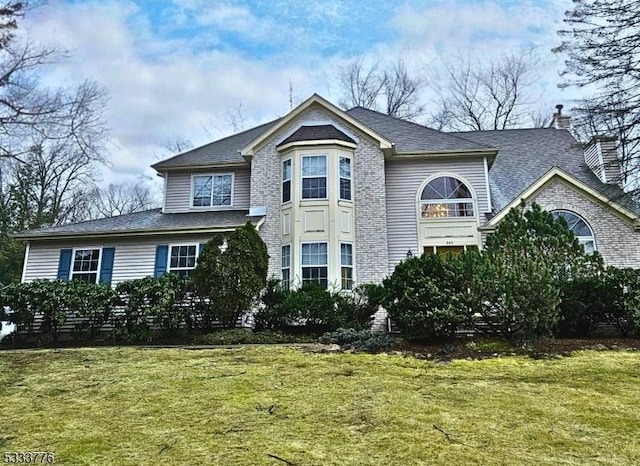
(318, 142)
(202, 166)
(491, 153)
(249, 149)
(138, 232)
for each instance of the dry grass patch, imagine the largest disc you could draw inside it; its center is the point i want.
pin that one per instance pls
(167, 406)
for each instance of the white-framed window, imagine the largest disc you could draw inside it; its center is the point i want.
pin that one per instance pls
(344, 167)
(346, 266)
(86, 264)
(286, 266)
(182, 258)
(286, 180)
(446, 197)
(314, 177)
(315, 265)
(212, 190)
(580, 228)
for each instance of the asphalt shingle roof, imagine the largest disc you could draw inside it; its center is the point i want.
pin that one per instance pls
(412, 137)
(525, 155)
(222, 151)
(148, 220)
(316, 133)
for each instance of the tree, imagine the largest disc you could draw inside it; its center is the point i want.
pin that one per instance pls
(523, 269)
(51, 141)
(602, 45)
(232, 279)
(489, 95)
(119, 199)
(392, 88)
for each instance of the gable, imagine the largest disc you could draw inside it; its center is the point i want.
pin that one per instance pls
(556, 175)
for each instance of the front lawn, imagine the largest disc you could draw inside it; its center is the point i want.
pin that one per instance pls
(273, 405)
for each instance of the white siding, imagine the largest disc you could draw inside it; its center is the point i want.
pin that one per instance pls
(134, 258)
(178, 189)
(404, 178)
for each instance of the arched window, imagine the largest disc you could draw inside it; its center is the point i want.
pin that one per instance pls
(446, 197)
(580, 229)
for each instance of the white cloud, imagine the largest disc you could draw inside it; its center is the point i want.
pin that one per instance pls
(171, 71)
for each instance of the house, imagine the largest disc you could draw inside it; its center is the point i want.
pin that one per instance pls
(343, 196)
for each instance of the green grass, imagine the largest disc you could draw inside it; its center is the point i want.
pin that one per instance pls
(166, 406)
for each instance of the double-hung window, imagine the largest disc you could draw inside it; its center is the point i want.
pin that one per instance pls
(182, 259)
(86, 263)
(286, 266)
(286, 181)
(314, 177)
(212, 190)
(314, 263)
(345, 178)
(346, 265)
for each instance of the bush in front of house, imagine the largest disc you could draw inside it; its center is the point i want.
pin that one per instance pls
(148, 301)
(232, 280)
(527, 262)
(625, 311)
(56, 302)
(426, 297)
(312, 308)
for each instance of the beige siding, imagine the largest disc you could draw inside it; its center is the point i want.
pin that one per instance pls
(134, 258)
(178, 189)
(403, 180)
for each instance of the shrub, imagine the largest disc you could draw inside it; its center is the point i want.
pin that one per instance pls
(93, 304)
(522, 270)
(425, 298)
(586, 300)
(233, 279)
(244, 337)
(312, 306)
(56, 302)
(358, 340)
(356, 309)
(625, 311)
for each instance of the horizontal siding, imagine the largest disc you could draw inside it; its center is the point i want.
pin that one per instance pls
(134, 258)
(403, 179)
(178, 190)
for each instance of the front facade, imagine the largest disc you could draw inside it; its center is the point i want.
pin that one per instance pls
(342, 197)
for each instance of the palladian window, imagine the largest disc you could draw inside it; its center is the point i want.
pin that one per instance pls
(446, 197)
(580, 229)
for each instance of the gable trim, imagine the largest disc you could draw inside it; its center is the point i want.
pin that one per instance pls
(249, 149)
(558, 173)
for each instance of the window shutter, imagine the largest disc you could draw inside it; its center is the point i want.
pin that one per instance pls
(202, 245)
(64, 265)
(162, 254)
(106, 266)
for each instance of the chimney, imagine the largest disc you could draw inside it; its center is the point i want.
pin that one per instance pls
(601, 155)
(559, 120)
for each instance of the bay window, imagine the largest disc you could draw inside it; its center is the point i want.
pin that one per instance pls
(314, 177)
(315, 263)
(345, 178)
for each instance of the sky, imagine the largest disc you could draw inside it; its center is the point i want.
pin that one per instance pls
(186, 69)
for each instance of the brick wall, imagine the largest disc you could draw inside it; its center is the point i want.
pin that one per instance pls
(369, 196)
(616, 239)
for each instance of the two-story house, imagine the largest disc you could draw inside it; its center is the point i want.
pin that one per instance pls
(343, 196)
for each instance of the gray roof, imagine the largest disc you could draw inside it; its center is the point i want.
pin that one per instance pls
(525, 155)
(412, 137)
(147, 221)
(316, 133)
(222, 151)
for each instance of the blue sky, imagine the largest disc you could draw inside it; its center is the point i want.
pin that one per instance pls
(177, 69)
